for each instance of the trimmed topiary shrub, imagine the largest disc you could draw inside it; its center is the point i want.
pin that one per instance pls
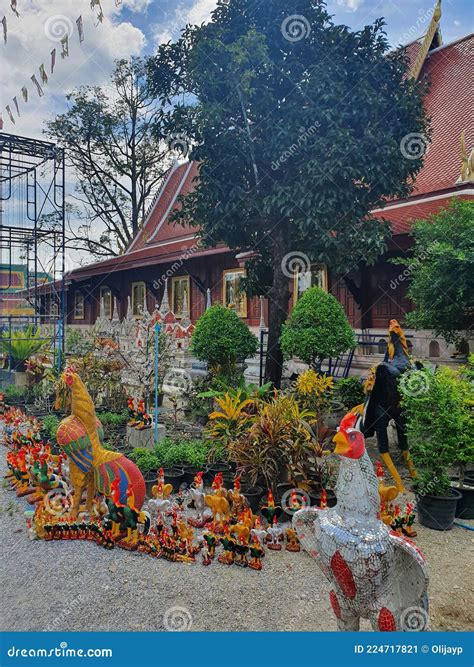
(223, 340)
(316, 329)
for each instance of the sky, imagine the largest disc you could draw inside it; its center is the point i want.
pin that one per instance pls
(135, 27)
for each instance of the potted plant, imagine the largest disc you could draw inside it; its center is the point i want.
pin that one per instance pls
(464, 480)
(437, 407)
(15, 395)
(148, 464)
(19, 345)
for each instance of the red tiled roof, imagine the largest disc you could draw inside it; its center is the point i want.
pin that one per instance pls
(178, 181)
(401, 216)
(450, 70)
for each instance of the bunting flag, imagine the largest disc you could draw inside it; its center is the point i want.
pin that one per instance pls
(4, 23)
(43, 75)
(80, 29)
(53, 60)
(13, 7)
(24, 92)
(100, 15)
(9, 112)
(38, 87)
(65, 46)
(15, 102)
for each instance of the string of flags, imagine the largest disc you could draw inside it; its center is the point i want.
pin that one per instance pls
(64, 44)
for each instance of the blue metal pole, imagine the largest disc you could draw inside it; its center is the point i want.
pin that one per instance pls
(157, 350)
(59, 345)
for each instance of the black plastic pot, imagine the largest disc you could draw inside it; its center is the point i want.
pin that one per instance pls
(438, 512)
(315, 497)
(150, 481)
(174, 476)
(465, 506)
(254, 496)
(282, 488)
(215, 468)
(189, 473)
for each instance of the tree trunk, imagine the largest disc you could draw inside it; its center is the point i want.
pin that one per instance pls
(278, 298)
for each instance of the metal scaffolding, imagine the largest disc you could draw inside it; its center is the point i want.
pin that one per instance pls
(32, 238)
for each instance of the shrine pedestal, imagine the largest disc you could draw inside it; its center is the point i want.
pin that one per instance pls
(145, 438)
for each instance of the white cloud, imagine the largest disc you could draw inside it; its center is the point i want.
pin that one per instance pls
(350, 5)
(31, 38)
(136, 5)
(199, 12)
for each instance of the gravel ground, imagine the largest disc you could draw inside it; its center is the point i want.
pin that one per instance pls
(74, 586)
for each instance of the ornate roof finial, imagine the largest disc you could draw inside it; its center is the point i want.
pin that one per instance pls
(427, 41)
(467, 162)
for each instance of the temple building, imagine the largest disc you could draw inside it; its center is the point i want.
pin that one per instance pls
(163, 254)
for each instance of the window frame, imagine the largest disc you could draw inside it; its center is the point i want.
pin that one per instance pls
(243, 273)
(103, 288)
(81, 316)
(324, 282)
(174, 281)
(139, 283)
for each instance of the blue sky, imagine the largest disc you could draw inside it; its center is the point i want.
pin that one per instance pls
(135, 27)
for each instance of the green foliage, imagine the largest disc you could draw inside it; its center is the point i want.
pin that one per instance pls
(145, 459)
(440, 424)
(350, 392)
(317, 328)
(78, 343)
(171, 452)
(441, 272)
(223, 340)
(305, 151)
(24, 343)
(13, 392)
(114, 419)
(50, 425)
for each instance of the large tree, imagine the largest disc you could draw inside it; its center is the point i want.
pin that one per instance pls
(116, 140)
(441, 273)
(301, 127)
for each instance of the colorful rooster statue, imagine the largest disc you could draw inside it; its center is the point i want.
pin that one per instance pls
(374, 573)
(383, 401)
(92, 467)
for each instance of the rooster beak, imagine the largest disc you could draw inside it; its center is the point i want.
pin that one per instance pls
(342, 446)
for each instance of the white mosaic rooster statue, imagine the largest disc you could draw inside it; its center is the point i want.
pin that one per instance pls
(374, 573)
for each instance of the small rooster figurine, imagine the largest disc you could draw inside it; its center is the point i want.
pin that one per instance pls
(93, 467)
(374, 573)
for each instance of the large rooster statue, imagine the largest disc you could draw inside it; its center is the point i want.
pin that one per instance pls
(374, 573)
(93, 467)
(383, 401)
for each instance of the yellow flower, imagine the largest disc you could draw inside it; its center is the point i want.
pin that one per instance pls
(311, 383)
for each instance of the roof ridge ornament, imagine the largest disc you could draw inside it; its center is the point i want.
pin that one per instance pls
(427, 41)
(467, 162)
